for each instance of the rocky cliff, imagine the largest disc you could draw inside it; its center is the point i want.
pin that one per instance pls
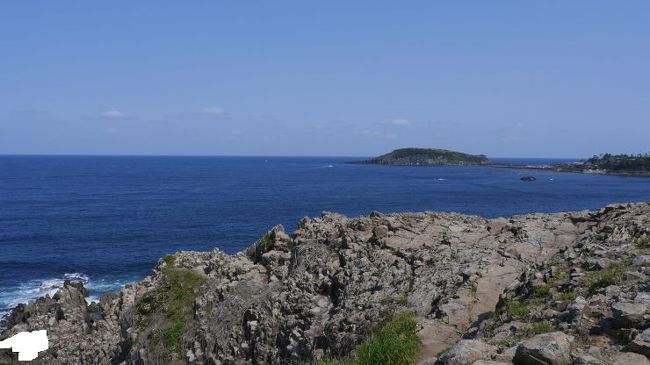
(560, 289)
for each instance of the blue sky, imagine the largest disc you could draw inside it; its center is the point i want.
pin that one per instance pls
(350, 78)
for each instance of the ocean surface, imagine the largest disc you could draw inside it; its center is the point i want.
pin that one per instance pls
(107, 220)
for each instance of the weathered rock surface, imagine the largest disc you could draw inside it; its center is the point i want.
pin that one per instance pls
(561, 287)
(549, 349)
(467, 352)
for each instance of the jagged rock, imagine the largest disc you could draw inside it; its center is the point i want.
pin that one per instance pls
(8, 358)
(467, 352)
(641, 343)
(627, 315)
(546, 349)
(576, 307)
(319, 292)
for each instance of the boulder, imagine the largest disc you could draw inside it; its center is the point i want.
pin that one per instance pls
(641, 343)
(628, 315)
(467, 352)
(552, 348)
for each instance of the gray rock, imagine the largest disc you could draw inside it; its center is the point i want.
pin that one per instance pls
(587, 360)
(628, 315)
(466, 352)
(629, 358)
(643, 298)
(641, 260)
(641, 343)
(546, 349)
(321, 291)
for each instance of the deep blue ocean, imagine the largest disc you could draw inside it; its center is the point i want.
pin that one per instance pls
(107, 220)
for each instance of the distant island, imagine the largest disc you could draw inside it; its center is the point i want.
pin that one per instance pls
(425, 157)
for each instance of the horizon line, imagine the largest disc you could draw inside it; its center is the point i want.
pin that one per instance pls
(234, 155)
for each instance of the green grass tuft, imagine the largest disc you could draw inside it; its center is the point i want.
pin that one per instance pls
(613, 275)
(642, 242)
(517, 309)
(540, 291)
(560, 275)
(569, 295)
(395, 343)
(173, 299)
(169, 260)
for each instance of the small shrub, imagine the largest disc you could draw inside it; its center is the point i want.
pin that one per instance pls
(174, 299)
(540, 291)
(642, 242)
(517, 309)
(612, 275)
(560, 274)
(569, 295)
(395, 343)
(169, 260)
(403, 300)
(268, 242)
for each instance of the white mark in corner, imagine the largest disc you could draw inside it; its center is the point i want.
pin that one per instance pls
(27, 344)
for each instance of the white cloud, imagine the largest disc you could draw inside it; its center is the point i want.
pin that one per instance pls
(113, 114)
(400, 122)
(213, 110)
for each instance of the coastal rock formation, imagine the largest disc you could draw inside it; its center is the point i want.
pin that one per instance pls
(566, 288)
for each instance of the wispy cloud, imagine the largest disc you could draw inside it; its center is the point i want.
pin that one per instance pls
(213, 110)
(113, 114)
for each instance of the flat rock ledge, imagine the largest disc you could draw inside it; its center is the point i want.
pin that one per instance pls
(537, 289)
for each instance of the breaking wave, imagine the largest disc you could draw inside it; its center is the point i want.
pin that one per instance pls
(32, 289)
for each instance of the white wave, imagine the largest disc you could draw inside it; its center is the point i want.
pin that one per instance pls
(441, 179)
(33, 289)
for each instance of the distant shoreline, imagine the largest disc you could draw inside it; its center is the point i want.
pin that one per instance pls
(569, 170)
(499, 165)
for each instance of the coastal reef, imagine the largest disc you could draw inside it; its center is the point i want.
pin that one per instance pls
(405, 288)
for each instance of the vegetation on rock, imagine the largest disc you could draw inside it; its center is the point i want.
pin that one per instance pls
(170, 306)
(427, 156)
(394, 343)
(620, 163)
